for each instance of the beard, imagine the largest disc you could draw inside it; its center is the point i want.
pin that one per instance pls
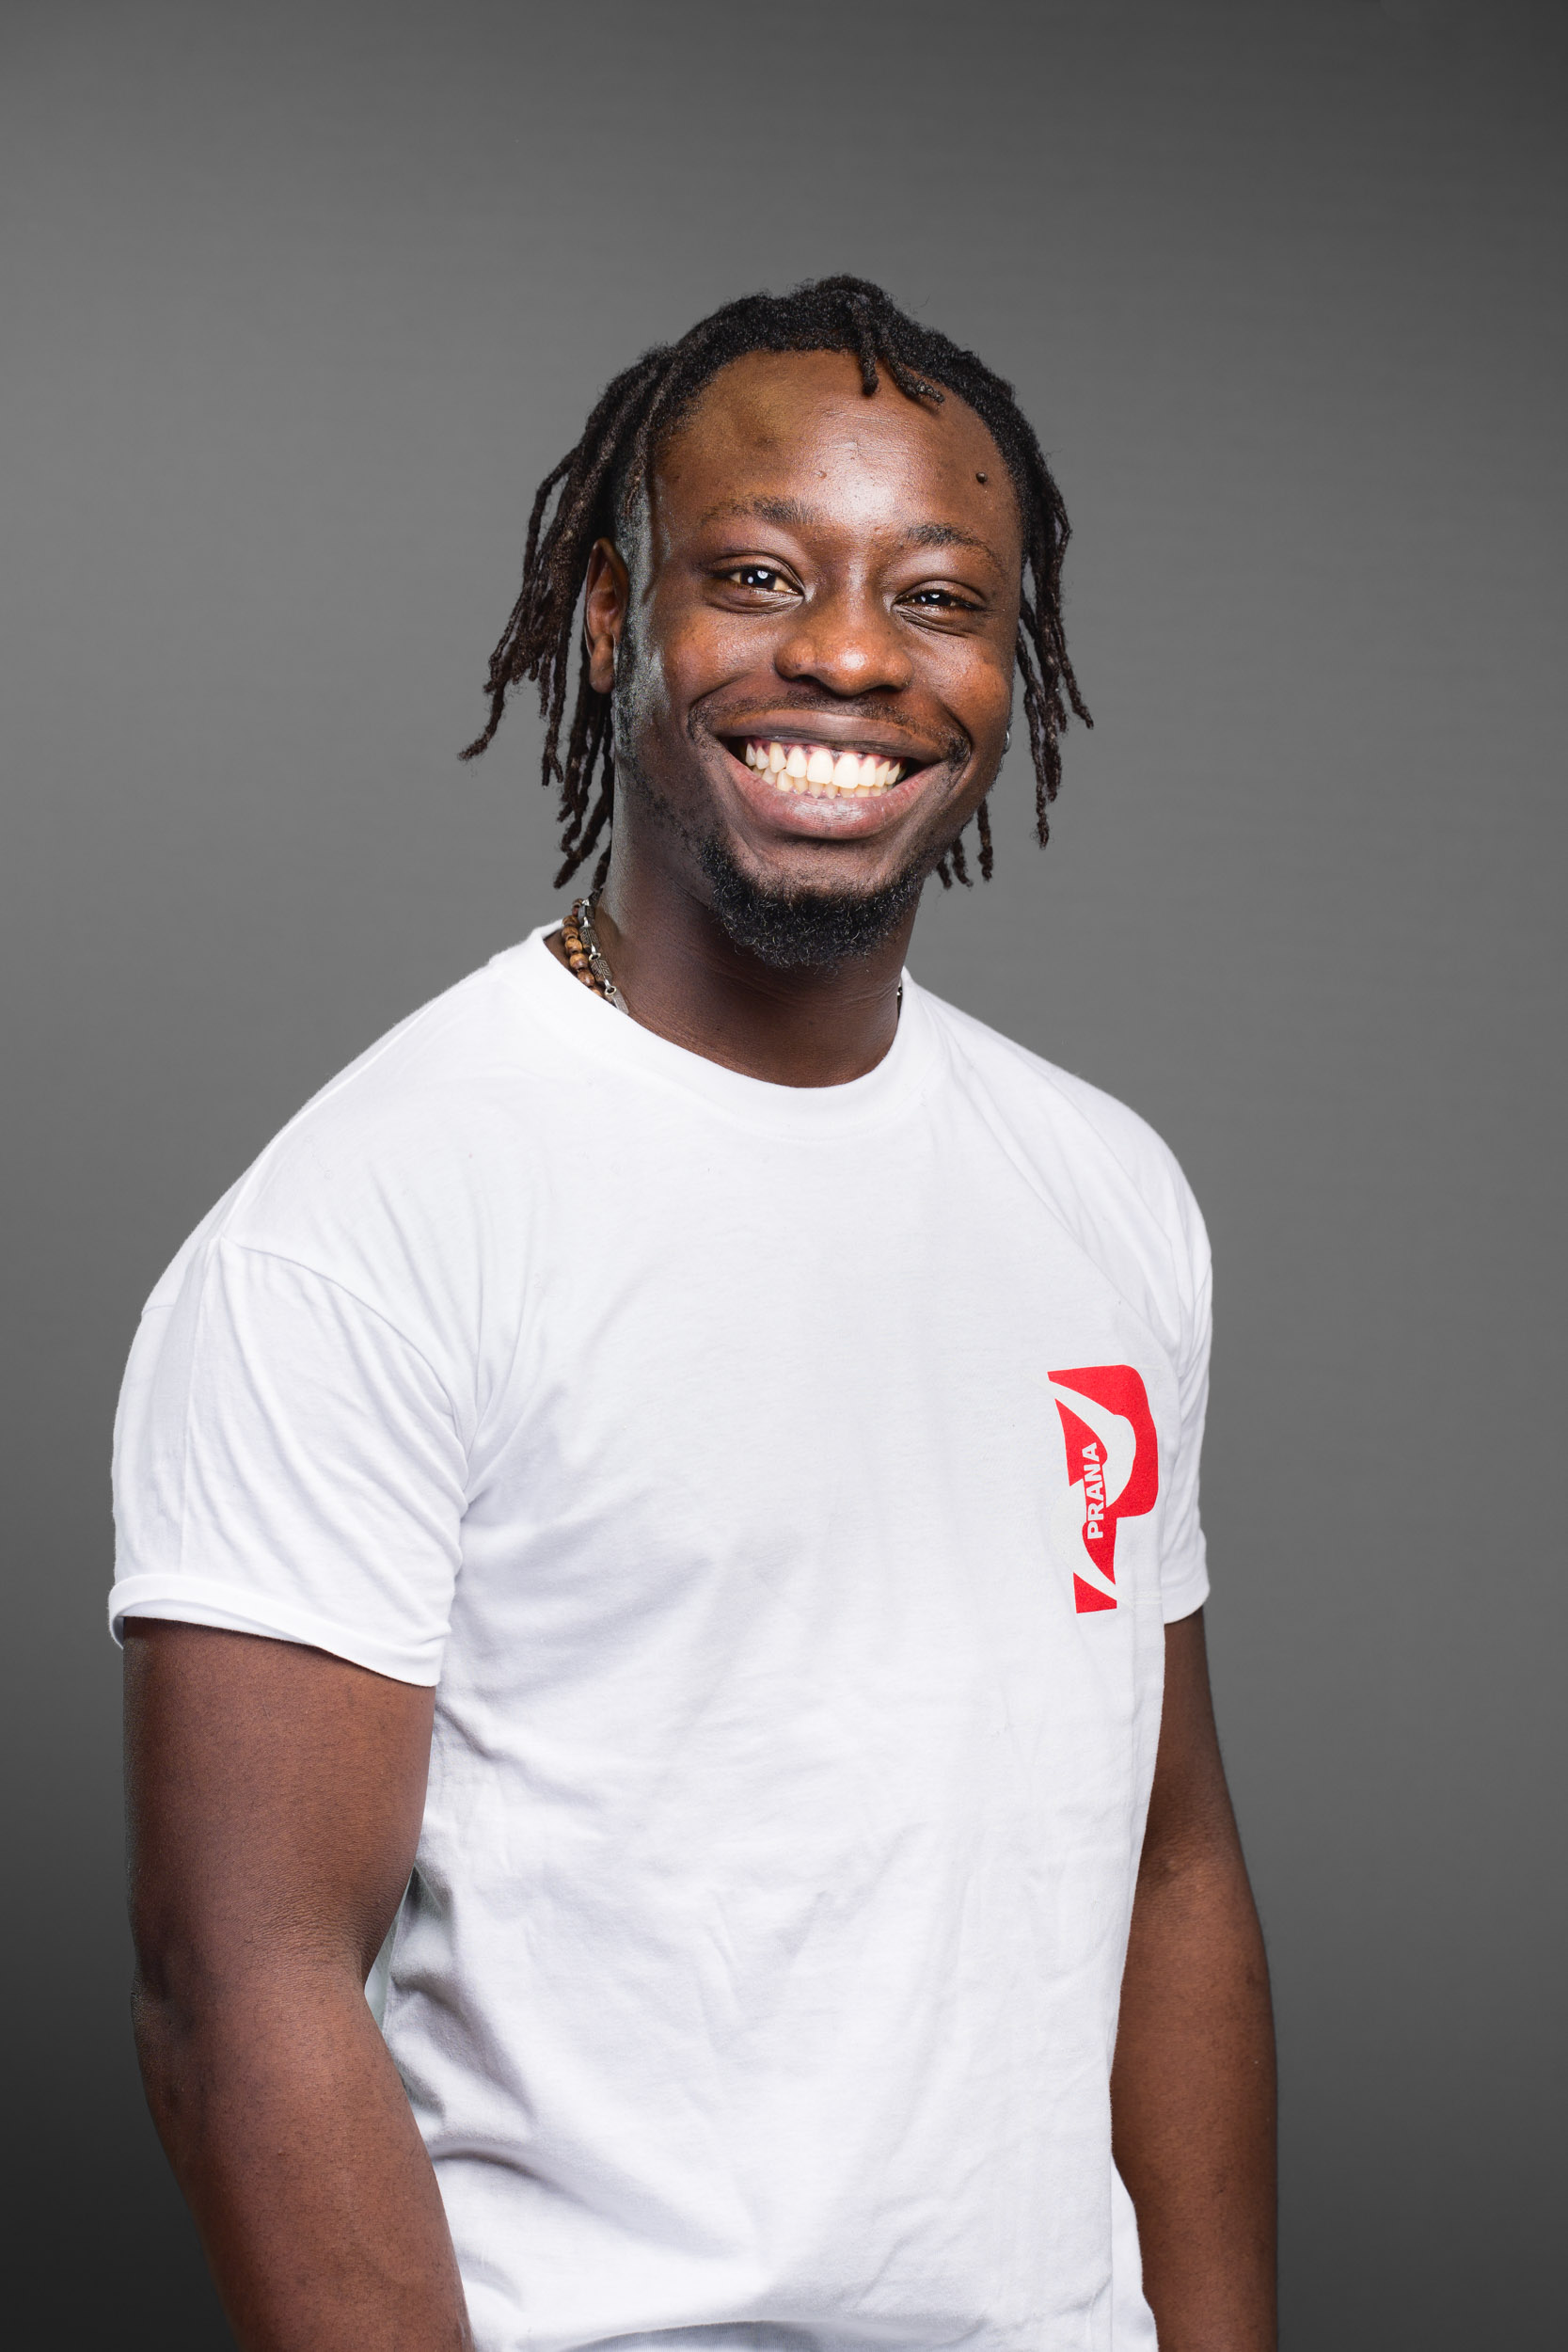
(794, 929)
(789, 928)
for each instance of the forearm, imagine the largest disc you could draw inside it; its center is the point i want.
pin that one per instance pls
(292, 2137)
(1192, 2100)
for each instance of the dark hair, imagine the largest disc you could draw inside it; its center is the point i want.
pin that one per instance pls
(607, 467)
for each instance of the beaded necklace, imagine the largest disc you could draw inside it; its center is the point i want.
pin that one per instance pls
(585, 956)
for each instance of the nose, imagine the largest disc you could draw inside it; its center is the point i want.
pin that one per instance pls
(847, 641)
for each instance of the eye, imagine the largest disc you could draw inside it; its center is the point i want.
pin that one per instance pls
(939, 600)
(766, 577)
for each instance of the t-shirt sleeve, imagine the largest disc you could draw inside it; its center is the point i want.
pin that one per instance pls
(286, 1463)
(1184, 1558)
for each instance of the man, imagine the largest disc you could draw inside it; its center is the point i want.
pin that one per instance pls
(665, 1502)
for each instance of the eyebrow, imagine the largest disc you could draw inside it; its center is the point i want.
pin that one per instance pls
(948, 536)
(795, 515)
(788, 513)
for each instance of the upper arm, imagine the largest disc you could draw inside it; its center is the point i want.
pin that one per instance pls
(274, 1797)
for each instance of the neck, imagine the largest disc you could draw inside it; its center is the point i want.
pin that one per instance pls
(682, 975)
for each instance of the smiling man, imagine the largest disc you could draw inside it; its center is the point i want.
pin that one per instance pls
(658, 1522)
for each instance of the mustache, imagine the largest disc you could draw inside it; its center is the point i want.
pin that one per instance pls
(956, 747)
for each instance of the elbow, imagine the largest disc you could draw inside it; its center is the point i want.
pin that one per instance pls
(158, 2045)
(185, 1989)
(167, 2013)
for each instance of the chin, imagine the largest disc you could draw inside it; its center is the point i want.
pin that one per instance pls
(793, 927)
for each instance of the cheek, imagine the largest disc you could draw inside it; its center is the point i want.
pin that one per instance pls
(644, 690)
(704, 649)
(679, 658)
(978, 687)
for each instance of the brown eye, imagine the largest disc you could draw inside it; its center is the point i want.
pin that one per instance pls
(939, 601)
(758, 576)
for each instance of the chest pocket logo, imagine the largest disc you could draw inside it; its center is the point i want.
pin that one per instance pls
(1113, 1467)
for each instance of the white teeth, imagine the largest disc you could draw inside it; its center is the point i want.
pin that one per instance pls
(813, 768)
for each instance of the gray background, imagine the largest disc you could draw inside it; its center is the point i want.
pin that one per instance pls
(299, 303)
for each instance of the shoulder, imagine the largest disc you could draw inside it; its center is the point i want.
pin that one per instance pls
(1105, 1171)
(384, 1178)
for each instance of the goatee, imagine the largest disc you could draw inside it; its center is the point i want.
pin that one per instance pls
(792, 930)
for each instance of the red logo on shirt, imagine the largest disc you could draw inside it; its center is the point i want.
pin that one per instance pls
(1113, 1457)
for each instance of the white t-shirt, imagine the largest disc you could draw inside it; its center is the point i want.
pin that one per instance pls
(785, 1490)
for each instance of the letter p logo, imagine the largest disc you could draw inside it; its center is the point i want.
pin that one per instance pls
(1113, 1467)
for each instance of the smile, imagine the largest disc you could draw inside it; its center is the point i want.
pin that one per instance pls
(825, 774)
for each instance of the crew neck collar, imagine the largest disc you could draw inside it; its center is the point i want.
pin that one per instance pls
(591, 1027)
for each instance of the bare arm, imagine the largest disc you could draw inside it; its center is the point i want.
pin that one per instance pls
(275, 1802)
(1193, 2088)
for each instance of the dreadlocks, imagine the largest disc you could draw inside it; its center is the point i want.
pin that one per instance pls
(602, 476)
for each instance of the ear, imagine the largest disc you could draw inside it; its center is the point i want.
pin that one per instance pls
(606, 596)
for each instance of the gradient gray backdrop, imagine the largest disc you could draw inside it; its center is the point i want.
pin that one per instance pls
(300, 301)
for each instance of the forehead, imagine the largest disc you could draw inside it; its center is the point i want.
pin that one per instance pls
(798, 425)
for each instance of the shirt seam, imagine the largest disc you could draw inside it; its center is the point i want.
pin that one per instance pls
(1175, 1244)
(316, 1274)
(174, 1589)
(1030, 1177)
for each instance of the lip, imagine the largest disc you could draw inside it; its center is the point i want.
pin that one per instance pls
(850, 817)
(834, 735)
